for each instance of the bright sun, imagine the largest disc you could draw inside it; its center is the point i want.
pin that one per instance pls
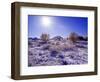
(46, 21)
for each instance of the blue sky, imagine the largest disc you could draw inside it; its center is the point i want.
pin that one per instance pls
(56, 25)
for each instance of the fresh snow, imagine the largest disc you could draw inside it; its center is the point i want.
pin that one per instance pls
(55, 52)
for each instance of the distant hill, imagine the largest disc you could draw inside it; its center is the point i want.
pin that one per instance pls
(33, 39)
(58, 38)
(82, 38)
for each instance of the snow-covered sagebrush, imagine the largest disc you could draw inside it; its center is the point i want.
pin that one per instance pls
(56, 52)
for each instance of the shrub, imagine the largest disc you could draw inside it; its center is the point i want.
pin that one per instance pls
(61, 56)
(45, 37)
(73, 37)
(64, 62)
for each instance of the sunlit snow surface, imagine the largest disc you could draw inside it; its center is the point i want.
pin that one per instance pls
(42, 53)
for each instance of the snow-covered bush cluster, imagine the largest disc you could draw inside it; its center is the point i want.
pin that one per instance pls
(56, 51)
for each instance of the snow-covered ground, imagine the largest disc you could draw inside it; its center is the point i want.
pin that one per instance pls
(56, 52)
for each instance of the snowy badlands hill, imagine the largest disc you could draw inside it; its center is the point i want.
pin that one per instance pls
(56, 51)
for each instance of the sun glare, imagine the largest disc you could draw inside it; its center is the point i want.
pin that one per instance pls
(46, 21)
